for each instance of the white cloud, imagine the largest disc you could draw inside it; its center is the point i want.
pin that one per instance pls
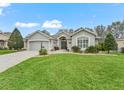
(3, 5)
(1, 11)
(28, 25)
(52, 24)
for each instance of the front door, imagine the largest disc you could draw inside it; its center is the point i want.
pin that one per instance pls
(63, 43)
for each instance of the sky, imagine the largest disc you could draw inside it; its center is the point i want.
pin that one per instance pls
(29, 17)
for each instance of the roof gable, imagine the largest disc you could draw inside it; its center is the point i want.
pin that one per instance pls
(62, 33)
(40, 32)
(81, 29)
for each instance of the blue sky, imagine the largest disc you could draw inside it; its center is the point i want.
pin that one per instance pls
(31, 17)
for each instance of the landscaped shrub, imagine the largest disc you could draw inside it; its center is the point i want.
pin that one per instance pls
(3, 48)
(91, 49)
(122, 50)
(100, 47)
(76, 49)
(56, 48)
(43, 52)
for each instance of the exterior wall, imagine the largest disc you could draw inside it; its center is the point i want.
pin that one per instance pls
(69, 44)
(120, 44)
(3, 37)
(86, 34)
(51, 44)
(5, 44)
(5, 40)
(25, 44)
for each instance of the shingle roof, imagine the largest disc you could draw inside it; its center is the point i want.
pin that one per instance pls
(38, 31)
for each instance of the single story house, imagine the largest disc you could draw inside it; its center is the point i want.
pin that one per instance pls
(63, 40)
(120, 43)
(4, 36)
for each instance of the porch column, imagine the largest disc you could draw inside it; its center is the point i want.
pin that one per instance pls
(27, 45)
(5, 44)
(58, 41)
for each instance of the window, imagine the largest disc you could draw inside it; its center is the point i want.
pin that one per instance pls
(82, 42)
(69, 42)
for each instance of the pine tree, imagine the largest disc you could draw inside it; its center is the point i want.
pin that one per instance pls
(110, 43)
(16, 40)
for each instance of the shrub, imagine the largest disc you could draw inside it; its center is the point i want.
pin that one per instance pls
(91, 49)
(76, 49)
(3, 48)
(122, 50)
(56, 48)
(43, 52)
(100, 47)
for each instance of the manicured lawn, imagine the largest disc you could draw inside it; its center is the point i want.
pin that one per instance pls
(6, 51)
(66, 71)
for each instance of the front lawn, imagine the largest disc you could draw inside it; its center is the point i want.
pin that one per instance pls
(66, 71)
(6, 51)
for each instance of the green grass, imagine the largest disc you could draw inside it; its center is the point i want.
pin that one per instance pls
(6, 51)
(66, 71)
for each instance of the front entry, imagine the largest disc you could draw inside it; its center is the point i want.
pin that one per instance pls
(63, 43)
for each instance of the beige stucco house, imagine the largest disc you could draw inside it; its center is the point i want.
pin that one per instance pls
(63, 40)
(120, 43)
(4, 36)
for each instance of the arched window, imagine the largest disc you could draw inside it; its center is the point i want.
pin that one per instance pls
(82, 42)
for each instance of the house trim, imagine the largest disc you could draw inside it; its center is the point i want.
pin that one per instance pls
(93, 33)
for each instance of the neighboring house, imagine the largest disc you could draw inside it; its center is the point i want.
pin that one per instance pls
(63, 39)
(4, 36)
(120, 43)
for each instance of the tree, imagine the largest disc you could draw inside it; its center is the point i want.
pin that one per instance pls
(16, 40)
(100, 30)
(110, 43)
(46, 32)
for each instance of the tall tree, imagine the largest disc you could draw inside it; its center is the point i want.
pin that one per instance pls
(109, 29)
(110, 43)
(100, 30)
(118, 29)
(16, 40)
(46, 32)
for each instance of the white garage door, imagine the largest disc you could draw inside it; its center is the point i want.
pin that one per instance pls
(36, 45)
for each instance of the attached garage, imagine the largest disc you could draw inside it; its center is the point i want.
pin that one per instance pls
(36, 45)
(38, 39)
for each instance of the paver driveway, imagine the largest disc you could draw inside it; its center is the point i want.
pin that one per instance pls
(9, 60)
